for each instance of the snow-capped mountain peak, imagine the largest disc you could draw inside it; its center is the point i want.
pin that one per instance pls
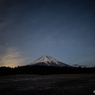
(48, 61)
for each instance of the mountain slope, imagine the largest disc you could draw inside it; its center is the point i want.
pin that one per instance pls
(48, 61)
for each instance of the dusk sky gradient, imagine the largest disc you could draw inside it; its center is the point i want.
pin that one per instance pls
(63, 29)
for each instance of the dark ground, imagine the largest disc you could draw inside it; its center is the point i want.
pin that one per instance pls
(59, 84)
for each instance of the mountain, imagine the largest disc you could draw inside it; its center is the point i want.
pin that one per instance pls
(48, 61)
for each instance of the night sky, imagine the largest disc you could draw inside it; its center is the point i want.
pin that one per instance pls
(63, 29)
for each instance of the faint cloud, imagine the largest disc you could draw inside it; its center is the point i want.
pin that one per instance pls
(12, 58)
(89, 61)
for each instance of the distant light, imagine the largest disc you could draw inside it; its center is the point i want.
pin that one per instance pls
(94, 91)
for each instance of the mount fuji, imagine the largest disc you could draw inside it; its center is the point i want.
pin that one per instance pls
(48, 61)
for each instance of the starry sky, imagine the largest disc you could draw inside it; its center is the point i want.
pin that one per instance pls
(63, 29)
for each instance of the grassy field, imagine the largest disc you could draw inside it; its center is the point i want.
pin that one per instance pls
(59, 84)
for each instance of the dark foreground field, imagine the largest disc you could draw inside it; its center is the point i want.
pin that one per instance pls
(59, 84)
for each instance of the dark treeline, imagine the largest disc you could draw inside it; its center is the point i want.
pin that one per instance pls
(42, 70)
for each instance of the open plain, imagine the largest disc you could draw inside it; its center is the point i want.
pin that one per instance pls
(58, 84)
